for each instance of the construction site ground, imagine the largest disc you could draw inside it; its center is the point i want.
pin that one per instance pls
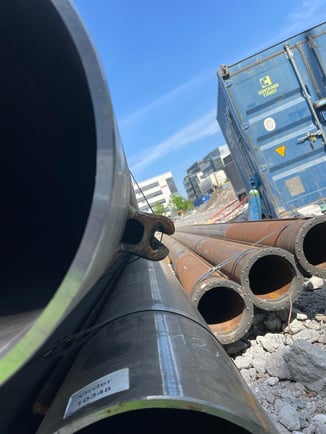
(283, 350)
(222, 206)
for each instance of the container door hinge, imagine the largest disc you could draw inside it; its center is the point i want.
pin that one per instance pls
(245, 125)
(224, 71)
(139, 235)
(263, 168)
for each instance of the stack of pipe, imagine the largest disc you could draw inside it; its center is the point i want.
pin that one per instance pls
(266, 258)
(267, 274)
(149, 359)
(223, 303)
(153, 364)
(304, 238)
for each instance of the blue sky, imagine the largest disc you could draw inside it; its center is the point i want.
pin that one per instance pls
(161, 57)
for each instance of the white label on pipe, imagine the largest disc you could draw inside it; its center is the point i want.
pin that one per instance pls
(107, 385)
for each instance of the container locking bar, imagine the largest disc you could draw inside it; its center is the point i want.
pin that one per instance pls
(290, 56)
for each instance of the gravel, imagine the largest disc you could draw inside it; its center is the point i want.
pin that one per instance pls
(283, 360)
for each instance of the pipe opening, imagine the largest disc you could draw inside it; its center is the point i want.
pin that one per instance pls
(222, 305)
(271, 277)
(134, 232)
(48, 153)
(314, 245)
(162, 421)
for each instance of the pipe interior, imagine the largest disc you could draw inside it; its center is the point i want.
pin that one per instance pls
(162, 421)
(314, 245)
(271, 277)
(222, 305)
(48, 153)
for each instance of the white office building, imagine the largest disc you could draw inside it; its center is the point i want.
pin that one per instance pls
(156, 190)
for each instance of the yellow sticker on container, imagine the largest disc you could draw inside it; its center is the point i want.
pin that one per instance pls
(265, 81)
(267, 86)
(280, 150)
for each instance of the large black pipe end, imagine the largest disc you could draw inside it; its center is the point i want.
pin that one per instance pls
(48, 153)
(273, 278)
(48, 167)
(225, 307)
(310, 251)
(154, 361)
(165, 420)
(65, 181)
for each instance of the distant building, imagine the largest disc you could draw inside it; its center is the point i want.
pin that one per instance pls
(212, 181)
(156, 190)
(191, 184)
(198, 181)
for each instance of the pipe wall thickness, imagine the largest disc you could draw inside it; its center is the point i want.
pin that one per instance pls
(153, 364)
(223, 304)
(269, 275)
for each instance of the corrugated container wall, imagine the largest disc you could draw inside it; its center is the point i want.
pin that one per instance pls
(272, 112)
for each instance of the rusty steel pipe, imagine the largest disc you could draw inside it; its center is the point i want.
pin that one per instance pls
(222, 303)
(268, 274)
(304, 238)
(153, 362)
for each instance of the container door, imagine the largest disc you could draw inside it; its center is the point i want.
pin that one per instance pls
(281, 103)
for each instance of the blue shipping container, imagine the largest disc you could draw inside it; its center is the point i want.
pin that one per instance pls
(272, 112)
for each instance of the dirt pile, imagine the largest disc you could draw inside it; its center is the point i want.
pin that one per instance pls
(222, 206)
(221, 197)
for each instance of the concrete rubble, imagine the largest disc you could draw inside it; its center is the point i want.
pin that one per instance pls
(283, 359)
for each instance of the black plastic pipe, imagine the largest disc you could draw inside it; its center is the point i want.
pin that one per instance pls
(154, 364)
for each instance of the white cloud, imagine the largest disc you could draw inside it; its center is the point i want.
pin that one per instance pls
(198, 129)
(307, 13)
(159, 102)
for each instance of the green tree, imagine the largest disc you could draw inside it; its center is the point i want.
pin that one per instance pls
(178, 203)
(159, 209)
